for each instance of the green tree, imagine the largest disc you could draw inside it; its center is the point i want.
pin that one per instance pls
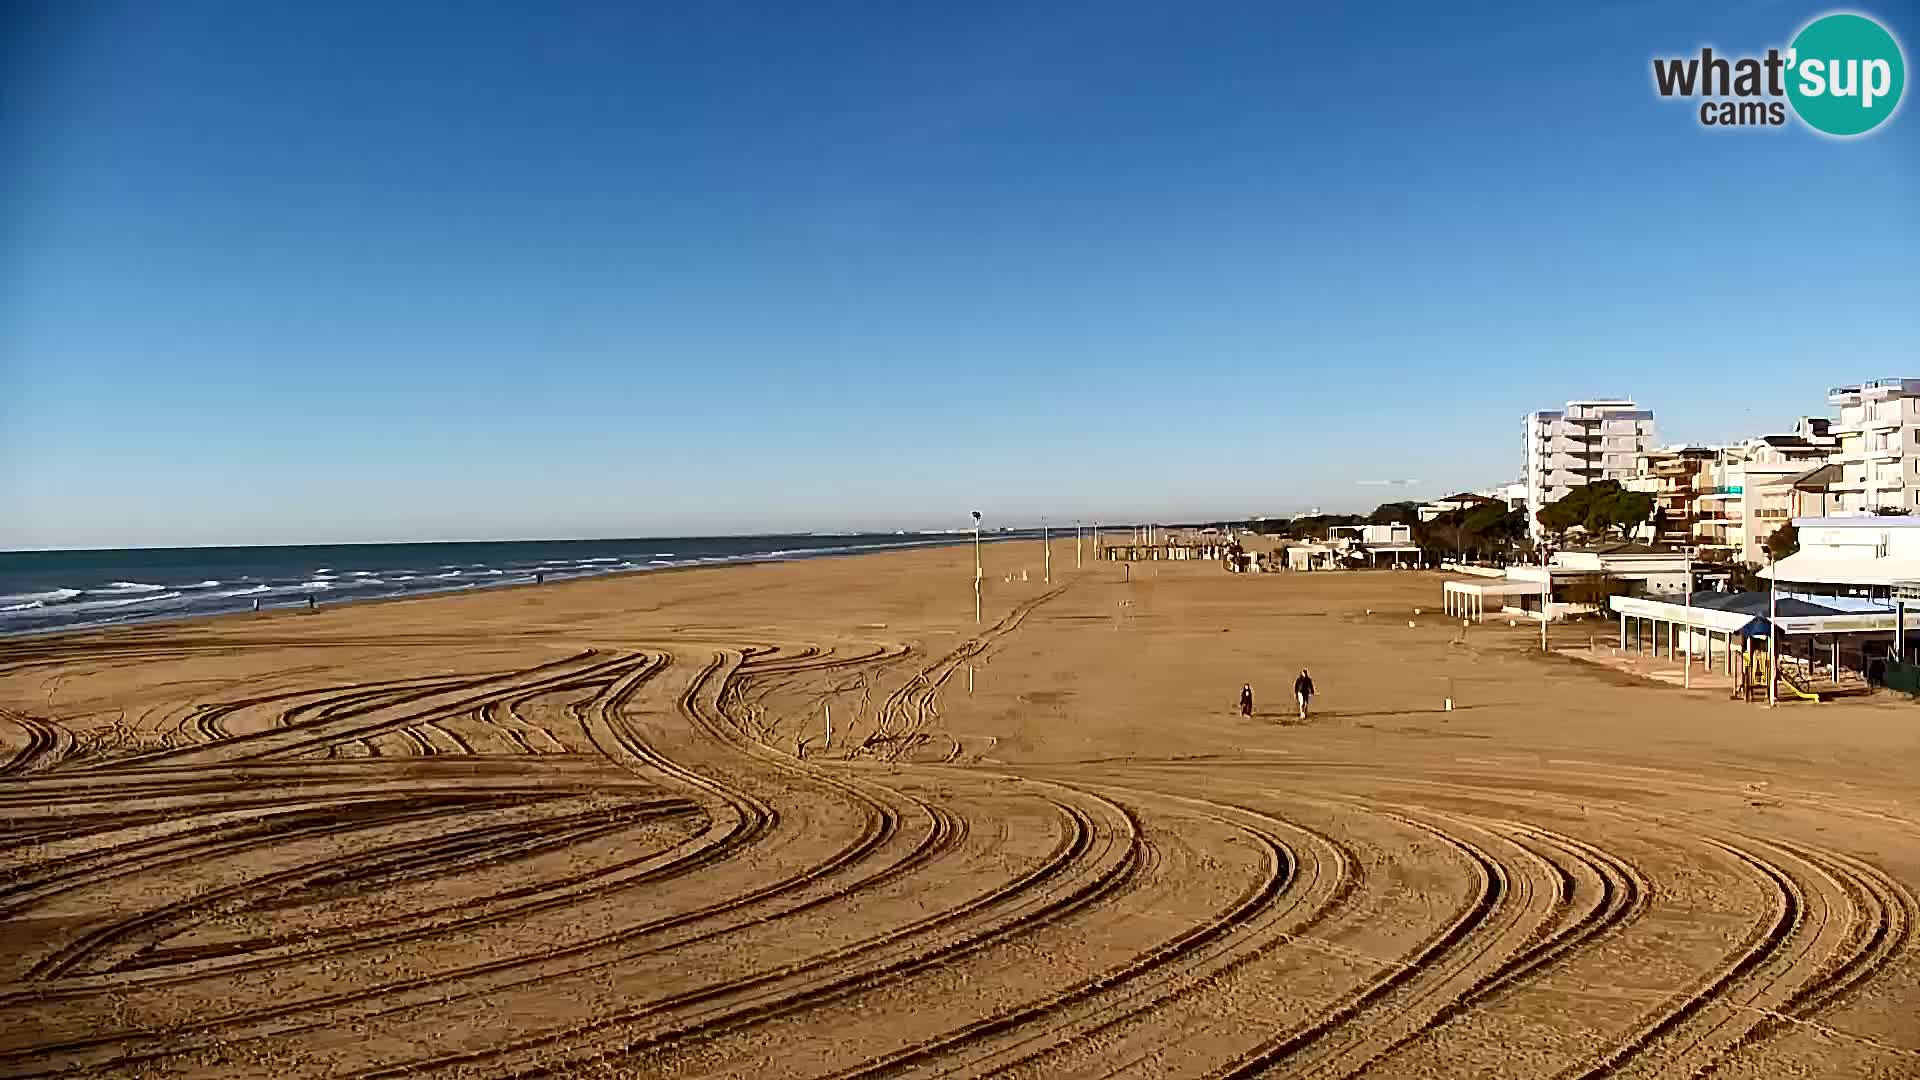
(1746, 578)
(1485, 529)
(1783, 541)
(1625, 511)
(1395, 513)
(1598, 509)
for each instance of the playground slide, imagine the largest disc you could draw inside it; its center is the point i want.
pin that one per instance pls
(1791, 684)
(1794, 686)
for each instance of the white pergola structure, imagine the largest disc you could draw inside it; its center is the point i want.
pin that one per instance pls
(1468, 599)
(1647, 622)
(1411, 551)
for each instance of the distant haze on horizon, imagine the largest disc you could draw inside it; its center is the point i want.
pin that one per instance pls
(381, 273)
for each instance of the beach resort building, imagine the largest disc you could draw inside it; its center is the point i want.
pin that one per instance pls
(1588, 441)
(1843, 604)
(1530, 590)
(1465, 500)
(1511, 496)
(1877, 446)
(1375, 545)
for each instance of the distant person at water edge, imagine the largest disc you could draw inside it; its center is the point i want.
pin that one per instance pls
(309, 601)
(1303, 691)
(1246, 700)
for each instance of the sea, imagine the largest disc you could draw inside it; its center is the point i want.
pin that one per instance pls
(43, 591)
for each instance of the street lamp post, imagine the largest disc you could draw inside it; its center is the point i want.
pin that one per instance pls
(1686, 678)
(976, 567)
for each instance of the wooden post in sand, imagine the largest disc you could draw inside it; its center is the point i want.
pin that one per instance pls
(829, 742)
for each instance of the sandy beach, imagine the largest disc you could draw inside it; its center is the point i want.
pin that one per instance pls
(600, 828)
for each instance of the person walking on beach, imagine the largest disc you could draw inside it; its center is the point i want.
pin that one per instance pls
(1246, 700)
(1303, 691)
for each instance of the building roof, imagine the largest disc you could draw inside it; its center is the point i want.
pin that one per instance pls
(1495, 587)
(1756, 603)
(1818, 477)
(1746, 613)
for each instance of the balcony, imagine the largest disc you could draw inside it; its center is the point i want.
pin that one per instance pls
(1861, 483)
(1856, 455)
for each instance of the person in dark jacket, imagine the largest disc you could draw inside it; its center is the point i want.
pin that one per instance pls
(1303, 691)
(1246, 700)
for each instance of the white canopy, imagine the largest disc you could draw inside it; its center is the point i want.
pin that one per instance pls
(1470, 597)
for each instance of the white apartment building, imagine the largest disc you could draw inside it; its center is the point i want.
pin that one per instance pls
(1751, 489)
(1877, 446)
(1584, 443)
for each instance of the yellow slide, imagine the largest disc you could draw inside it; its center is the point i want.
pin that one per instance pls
(1791, 685)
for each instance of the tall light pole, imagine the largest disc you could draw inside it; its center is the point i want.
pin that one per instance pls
(1686, 678)
(976, 567)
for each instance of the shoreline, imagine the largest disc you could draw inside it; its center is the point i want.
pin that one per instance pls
(296, 608)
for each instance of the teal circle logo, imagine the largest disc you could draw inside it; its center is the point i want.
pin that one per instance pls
(1845, 74)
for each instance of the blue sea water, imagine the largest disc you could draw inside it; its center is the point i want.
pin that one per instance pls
(59, 590)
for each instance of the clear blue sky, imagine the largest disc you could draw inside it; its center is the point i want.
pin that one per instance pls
(360, 271)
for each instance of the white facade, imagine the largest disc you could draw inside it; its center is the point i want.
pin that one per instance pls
(1530, 589)
(1585, 443)
(1514, 495)
(1372, 534)
(1878, 445)
(1860, 555)
(1748, 491)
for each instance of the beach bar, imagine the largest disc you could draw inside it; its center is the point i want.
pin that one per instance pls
(1844, 633)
